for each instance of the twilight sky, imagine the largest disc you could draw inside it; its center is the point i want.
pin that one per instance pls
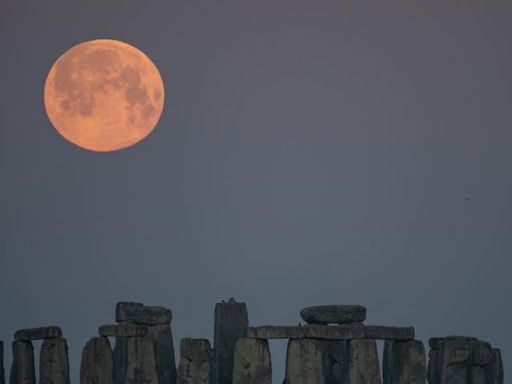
(309, 152)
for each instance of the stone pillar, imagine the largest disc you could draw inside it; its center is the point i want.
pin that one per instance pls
(335, 360)
(157, 321)
(195, 362)
(251, 364)
(97, 365)
(404, 362)
(22, 369)
(2, 372)
(53, 363)
(304, 363)
(139, 365)
(363, 367)
(231, 323)
(494, 369)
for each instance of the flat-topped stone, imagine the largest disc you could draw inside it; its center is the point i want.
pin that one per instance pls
(334, 314)
(39, 333)
(123, 330)
(334, 332)
(138, 313)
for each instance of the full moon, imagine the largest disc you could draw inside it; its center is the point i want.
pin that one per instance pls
(104, 95)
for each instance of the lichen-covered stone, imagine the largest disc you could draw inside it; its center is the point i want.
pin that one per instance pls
(22, 368)
(304, 364)
(97, 365)
(404, 362)
(494, 369)
(54, 363)
(334, 314)
(38, 333)
(252, 364)
(195, 362)
(363, 367)
(231, 323)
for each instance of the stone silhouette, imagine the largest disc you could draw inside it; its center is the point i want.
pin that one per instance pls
(22, 369)
(195, 362)
(404, 362)
(97, 366)
(251, 363)
(53, 362)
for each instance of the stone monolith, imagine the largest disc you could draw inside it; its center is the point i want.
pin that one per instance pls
(97, 365)
(195, 362)
(251, 362)
(494, 369)
(363, 366)
(404, 362)
(161, 337)
(304, 364)
(22, 368)
(231, 323)
(135, 361)
(54, 363)
(335, 360)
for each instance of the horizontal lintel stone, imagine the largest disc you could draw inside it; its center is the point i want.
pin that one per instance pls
(50, 332)
(122, 330)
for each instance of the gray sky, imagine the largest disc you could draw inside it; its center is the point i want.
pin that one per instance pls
(309, 152)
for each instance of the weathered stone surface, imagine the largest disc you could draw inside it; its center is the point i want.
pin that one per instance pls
(334, 314)
(2, 372)
(231, 323)
(54, 364)
(481, 352)
(135, 361)
(494, 369)
(304, 364)
(334, 332)
(22, 368)
(138, 313)
(195, 362)
(335, 354)
(404, 362)
(477, 375)
(123, 330)
(252, 363)
(38, 333)
(363, 367)
(97, 365)
(161, 337)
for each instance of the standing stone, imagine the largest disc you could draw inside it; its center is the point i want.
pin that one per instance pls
(2, 372)
(450, 360)
(404, 362)
(494, 369)
(335, 360)
(363, 362)
(252, 363)
(231, 323)
(22, 369)
(161, 337)
(120, 358)
(53, 362)
(97, 365)
(195, 362)
(477, 375)
(304, 362)
(138, 364)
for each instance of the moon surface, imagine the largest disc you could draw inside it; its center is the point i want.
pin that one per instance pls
(104, 95)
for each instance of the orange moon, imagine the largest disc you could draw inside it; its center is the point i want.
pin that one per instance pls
(104, 95)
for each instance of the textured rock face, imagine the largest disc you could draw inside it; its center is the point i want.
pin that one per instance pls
(252, 364)
(458, 359)
(22, 369)
(304, 363)
(195, 362)
(54, 364)
(38, 333)
(137, 313)
(494, 369)
(231, 323)
(404, 362)
(334, 314)
(334, 332)
(161, 337)
(136, 362)
(363, 365)
(335, 360)
(97, 365)
(123, 330)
